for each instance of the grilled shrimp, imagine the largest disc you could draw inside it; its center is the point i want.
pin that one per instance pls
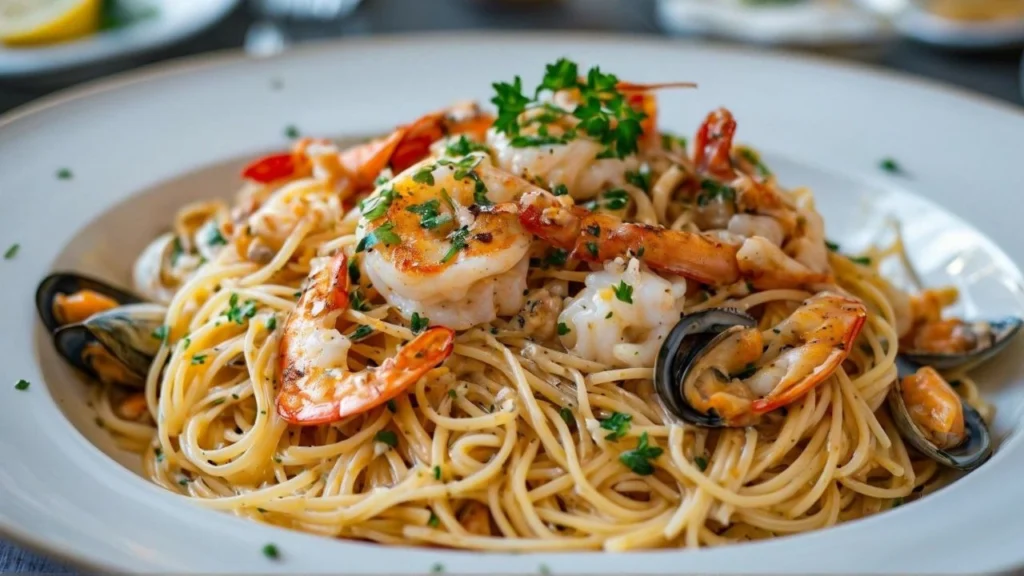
(443, 240)
(767, 370)
(577, 163)
(316, 385)
(601, 237)
(409, 144)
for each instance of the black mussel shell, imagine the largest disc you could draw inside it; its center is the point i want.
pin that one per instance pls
(71, 341)
(1003, 331)
(67, 283)
(971, 453)
(681, 349)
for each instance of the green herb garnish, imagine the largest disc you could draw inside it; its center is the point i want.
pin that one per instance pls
(418, 323)
(862, 260)
(464, 146)
(392, 406)
(458, 239)
(64, 174)
(592, 248)
(641, 178)
(270, 551)
(701, 463)
(711, 190)
(22, 384)
(240, 314)
(361, 332)
(638, 459)
(890, 165)
(437, 472)
(291, 132)
(386, 437)
(624, 292)
(198, 359)
(563, 329)
(161, 333)
(430, 218)
(271, 323)
(832, 246)
(434, 521)
(378, 204)
(567, 417)
(12, 251)
(384, 233)
(619, 425)
(560, 190)
(353, 271)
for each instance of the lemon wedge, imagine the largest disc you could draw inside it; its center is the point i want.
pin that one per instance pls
(29, 22)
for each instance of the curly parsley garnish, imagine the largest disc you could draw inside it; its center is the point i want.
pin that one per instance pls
(604, 113)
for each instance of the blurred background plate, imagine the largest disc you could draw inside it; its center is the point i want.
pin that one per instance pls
(161, 23)
(975, 25)
(788, 22)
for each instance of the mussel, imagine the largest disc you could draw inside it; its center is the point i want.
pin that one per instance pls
(104, 331)
(933, 418)
(949, 344)
(679, 355)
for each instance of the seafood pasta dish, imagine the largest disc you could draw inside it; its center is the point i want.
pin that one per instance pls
(546, 324)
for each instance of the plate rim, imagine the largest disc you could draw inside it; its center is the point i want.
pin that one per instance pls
(226, 57)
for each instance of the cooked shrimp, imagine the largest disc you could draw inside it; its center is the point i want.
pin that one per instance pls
(767, 370)
(713, 145)
(316, 385)
(934, 407)
(766, 266)
(576, 162)
(601, 237)
(623, 315)
(443, 240)
(409, 144)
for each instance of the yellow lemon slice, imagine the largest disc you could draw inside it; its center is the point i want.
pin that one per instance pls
(25, 22)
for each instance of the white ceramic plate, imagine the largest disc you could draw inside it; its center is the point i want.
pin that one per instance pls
(172, 21)
(146, 143)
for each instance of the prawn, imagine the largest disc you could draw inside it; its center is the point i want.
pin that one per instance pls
(771, 369)
(316, 385)
(594, 237)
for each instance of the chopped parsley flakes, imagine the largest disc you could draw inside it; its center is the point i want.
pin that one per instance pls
(639, 459)
(64, 174)
(240, 314)
(386, 437)
(22, 384)
(430, 218)
(458, 239)
(619, 425)
(563, 329)
(377, 205)
(418, 323)
(464, 146)
(12, 251)
(361, 332)
(271, 551)
(711, 190)
(624, 292)
(890, 165)
(384, 233)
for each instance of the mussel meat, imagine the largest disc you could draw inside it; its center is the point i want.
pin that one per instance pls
(933, 418)
(686, 343)
(717, 368)
(949, 344)
(104, 331)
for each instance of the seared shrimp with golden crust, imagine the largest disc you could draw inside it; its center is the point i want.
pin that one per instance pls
(443, 240)
(316, 384)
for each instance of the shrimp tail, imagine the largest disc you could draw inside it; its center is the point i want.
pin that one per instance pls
(713, 144)
(834, 350)
(316, 391)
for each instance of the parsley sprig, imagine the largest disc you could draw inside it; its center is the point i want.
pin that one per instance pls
(639, 459)
(604, 113)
